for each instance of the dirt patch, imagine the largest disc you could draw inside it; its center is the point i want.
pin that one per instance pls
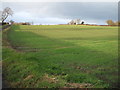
(50, 79)
(28, 77)
(25, 49)
(79, 85)
(83, 69)
(5, 83)
(53, 79)
(62, 47)
(16, 84)
(29, 50)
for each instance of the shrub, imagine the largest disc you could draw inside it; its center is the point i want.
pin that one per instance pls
(110, 22)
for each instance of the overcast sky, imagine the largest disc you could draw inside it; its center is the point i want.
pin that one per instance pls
(63, 12)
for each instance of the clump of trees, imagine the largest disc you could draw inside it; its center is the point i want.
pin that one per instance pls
(112, 23)
(74, 22)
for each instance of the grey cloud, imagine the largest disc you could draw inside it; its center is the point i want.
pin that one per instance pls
(92, 12)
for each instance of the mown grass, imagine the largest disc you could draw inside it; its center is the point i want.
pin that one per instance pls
(61, 56)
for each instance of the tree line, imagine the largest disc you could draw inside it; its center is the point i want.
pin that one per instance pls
(110, 22)
(8, 12)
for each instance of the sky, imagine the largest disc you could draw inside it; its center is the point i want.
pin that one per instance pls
(62, 12)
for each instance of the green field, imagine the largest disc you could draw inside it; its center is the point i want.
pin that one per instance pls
(60, 56)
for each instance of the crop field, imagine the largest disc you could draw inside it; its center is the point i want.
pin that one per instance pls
(60, 56)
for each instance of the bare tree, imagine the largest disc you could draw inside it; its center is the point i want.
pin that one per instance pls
(78, 21)
(5, 13)
(74, 22)
(117, 23)
(71, 22)
(110, 22)
(0, 16)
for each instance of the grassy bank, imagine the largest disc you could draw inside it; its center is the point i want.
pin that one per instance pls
(61, 56)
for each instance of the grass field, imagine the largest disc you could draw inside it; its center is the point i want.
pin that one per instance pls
(60, 56)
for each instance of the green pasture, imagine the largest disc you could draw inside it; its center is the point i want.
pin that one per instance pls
(58, 56)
